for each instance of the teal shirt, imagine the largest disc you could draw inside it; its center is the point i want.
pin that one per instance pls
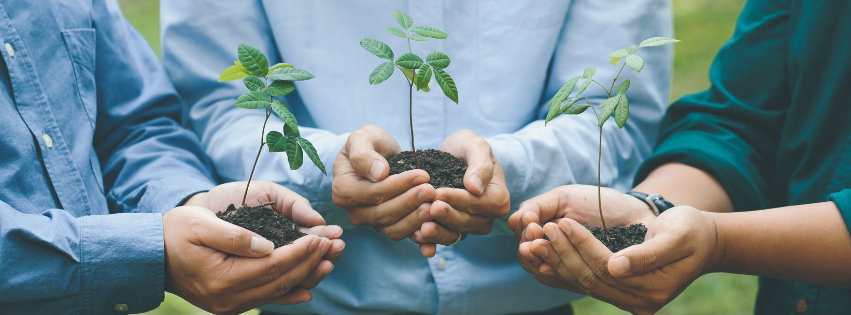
(774, 126)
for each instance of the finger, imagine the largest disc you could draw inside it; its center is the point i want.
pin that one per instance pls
(521, 224)
(438, 234)
(530, 261)
(280, 261)
(351, 191)
(327, 231)
(337, 247)
(407, 225)
(290, 204)
(544, 207)
(657, 252)
(494, 203)
(229, 238)
(277, 282)
(368, 149)
(480, 165)
(316, 276)
(593, 252)
(391, 211)
(428, 250)
(295, 296)
(417, 237)
(459, 221)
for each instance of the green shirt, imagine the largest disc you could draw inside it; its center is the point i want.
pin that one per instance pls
(774, 127)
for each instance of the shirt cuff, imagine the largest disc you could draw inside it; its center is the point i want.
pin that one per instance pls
(165, 194)
(842, 199)
(122, 258)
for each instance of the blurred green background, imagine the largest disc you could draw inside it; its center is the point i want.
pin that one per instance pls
(703, 25)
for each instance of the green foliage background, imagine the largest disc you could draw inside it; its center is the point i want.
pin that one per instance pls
(703, 26)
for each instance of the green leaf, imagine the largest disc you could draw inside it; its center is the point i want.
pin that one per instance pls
(381, 73)
(276, 142)
(583, 87)
(657, 41)
(615, 61)
(253, 60)
(253, 83)
(447, 84)
(410, 61)
(423, 78)
(279, 66)
(622, 111)
(280, 88)
(311, 153)
(576, 109)
(563, 92)
(234, 72)
(635, 62)
(606, 109)
(290, 74)
(377, 48)
(253, 100)
(620, 53)
(623, 87)
(294, 153)
(396, 31)
(283, 111)
(408, 73)
(589, 72)
(418, 38)
(630, 48)
(555, 110)
(429, 32)
(567, 104)
(289, 131)
(437, 60)
(403, 19)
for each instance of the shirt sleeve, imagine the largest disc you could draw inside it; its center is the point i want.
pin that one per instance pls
(149, 161)
(190, 29)
(732, 130)
(84, 265)
(538, 158)
(842, 199)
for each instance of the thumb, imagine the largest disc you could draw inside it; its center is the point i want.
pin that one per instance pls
(480, 166)
(232, 239)
(653, 254)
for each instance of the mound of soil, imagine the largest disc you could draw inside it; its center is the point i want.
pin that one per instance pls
(264, 221)
(619, 237)
(444, 169)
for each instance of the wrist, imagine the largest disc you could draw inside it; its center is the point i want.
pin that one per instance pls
(197, 199)
(717, 260)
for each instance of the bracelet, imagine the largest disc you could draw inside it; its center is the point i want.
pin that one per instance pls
(656, 202)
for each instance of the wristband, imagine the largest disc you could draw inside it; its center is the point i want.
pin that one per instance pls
(656, 202)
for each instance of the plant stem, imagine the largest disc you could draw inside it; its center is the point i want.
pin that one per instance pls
(411, 103)
(599, 193)
(268, 113)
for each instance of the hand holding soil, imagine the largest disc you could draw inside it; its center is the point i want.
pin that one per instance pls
(395, 205)
(682, 244)
(224, 268)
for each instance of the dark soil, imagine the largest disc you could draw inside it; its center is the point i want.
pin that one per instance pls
(264, 221)
(619, 237)
(444, 169)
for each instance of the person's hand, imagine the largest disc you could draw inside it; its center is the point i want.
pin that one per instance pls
(458, 212)
(395, 206)
(226, 269)
(287, 202)
(681, 245)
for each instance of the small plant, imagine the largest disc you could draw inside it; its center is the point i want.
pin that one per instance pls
(417, 72)
(617, 104)
(251, 67)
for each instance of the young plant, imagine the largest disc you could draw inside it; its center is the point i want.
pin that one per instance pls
(617, 104)
(251, 67)
(417, 72)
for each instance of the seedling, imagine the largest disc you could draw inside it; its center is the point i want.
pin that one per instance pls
(253, 66)
(417, 72)
(617, 104)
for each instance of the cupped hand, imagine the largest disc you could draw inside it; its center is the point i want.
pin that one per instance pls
(395, 206)
(226, 269)
(681, 245)
(458, 212)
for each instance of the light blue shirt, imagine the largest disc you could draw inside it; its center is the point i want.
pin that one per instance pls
(91, 155)
(508, 59)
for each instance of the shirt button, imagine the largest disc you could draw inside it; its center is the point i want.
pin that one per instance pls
(441, 263)
(801, 306)
(10, 50)
(47, 141)
(121, 307)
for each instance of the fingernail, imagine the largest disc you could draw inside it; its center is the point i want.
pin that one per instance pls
(549, 272)
(544, 252)
(375, 170)
(341, 248)
(528, 234)
(620, 266)
(329, 271)
(424, 196)
(551, 234)
(528, 218)
(326, 245)
(477, 182)
(424, 215)
(261, 245)
(419, 180)
(313, 243)
(440, 214)
(566, 228)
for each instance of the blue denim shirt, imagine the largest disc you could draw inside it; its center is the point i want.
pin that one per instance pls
(509, 57)
(91, 155)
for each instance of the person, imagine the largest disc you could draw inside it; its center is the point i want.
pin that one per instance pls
(508, 60)
(94, 167)
(771, 134)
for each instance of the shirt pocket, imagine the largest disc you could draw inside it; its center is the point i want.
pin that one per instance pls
(80, 44)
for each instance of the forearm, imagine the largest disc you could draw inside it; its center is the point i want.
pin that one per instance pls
(807, 243)
(685, 185)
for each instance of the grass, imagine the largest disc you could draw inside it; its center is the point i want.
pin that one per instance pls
(703, 26)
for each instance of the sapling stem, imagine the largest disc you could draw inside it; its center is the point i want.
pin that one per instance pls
(262, 143)
(411, 104)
